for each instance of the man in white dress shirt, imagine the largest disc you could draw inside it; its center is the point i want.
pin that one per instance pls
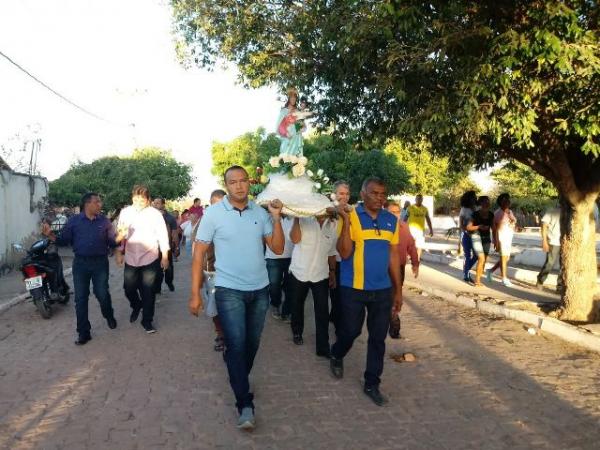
(312, 267)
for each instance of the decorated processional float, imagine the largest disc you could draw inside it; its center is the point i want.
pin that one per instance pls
(303, 192)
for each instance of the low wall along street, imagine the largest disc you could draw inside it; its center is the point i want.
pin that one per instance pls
(22, 201)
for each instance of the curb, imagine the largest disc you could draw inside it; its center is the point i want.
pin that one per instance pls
(523, 275)
(570, 333)
(22, 297)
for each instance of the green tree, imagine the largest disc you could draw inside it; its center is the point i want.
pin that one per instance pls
(429, 174)
(113, 177)
(520, 181)
(337, 157)
(354, 166)
(530, 191)
(250, 150)
(483, 81)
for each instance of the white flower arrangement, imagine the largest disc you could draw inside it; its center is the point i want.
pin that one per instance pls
(295, 166)
(321, 181)
(291, 164)
(298, 170)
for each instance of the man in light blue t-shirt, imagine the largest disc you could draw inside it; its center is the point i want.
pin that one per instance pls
(239, 229)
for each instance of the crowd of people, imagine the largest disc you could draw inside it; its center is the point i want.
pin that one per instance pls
(247, 260)
(483, 230)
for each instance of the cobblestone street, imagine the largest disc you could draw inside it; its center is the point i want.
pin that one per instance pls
(478, 383)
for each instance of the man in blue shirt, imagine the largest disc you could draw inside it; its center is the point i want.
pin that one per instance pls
(370, 282)
(91, 235)
(239, 229)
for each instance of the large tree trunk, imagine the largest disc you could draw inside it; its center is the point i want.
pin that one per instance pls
(580, 301)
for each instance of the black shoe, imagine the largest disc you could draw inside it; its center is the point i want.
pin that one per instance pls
(112, 323)
(149, 328)
(374, 394)
(324, 354)
(337, 367)
(134, 315)
(171, 287)
(298, 339)
(83, 339)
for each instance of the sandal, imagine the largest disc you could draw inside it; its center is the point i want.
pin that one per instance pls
(219, 344)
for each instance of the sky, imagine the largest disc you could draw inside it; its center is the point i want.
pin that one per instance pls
(116, 58)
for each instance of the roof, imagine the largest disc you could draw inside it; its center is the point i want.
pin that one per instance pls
(4, 165)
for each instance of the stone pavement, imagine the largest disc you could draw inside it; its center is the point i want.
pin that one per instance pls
(478, 383)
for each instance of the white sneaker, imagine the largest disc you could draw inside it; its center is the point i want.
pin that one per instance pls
(246, 420)
(506, 282)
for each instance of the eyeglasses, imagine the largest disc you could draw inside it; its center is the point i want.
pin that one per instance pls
(376, 226)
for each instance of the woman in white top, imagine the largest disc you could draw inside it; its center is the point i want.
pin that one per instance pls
(505, 222)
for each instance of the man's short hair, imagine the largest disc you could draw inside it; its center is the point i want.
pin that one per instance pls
(141, 190)
(419, 195)
(196, 200)
(218, 193)
(86, 198)
(233, 168)
(371, 180)
(339, 183)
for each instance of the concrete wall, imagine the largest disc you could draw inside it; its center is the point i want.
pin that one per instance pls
(22, 201)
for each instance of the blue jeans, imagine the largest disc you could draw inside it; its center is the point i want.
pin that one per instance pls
(278, 283)
(242, 315)
(94, 269)
(354, 304)
(469, 252)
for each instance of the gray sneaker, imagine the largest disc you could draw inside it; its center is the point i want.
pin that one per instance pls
(275, 312)
(246, 420)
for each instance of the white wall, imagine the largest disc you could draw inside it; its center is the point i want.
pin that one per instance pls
(18, 223)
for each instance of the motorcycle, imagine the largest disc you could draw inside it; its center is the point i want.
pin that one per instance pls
(44, 279)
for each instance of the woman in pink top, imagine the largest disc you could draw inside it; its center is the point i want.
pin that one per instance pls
(505, 222)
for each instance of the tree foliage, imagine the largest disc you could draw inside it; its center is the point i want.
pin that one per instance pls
(520, 181)
(250, 150)
(113, 178)
(483, 81)
(530, 192)
(429, 174)
(337, 157)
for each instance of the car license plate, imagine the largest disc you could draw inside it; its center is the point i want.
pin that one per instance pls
(33, 283)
